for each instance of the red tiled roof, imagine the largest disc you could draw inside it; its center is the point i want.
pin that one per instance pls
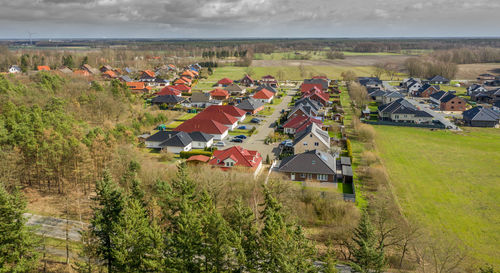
(225, 81)
(294, 122)
(182, 88)
(180, 81)
(136, 85)
(229, 109)
(188, 73)
(242, 157)
(263, 94)
(81, 72)
(308, 86)
(207, 126)
(149, 73)
(110, 73)
(43, 67)
(219, 93)
(201, 158)
(169, 90)
(308, 122)
(220, 117)
(315, 91)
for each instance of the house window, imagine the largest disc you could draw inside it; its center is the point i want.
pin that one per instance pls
(322, 177)
(302, 175)
(309, 176)
(305, 143)
(453, 107)
(316, 144)
(311, 135)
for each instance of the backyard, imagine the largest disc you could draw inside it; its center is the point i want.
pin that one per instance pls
(448, 182)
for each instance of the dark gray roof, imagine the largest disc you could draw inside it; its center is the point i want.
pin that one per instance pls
(402, 106)
(180, 139)
(438, 95)
(200, 97)
(438, 79)
(323, 82)
(481, 114)
(233, 88)
(427, 86)
(308, 102)
(369, 81)
(344, 160)
(250, 104)
(126, 78)
(266, 86)
(394, 95)
(309, 162)
(167, 99)
(161, 136)
(200, 136)
(377, 93)
(447, 97)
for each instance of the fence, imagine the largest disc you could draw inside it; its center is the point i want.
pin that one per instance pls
(404, 124)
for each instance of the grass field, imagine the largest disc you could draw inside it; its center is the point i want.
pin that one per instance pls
(314, 55)
(448, 181)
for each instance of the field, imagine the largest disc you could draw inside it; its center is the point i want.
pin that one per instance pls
(471, 71)
(449, 182)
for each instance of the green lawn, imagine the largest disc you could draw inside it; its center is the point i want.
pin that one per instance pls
(460, 90)
(186, 116)
(174, 124)
(448, 181)
(267, 111)
(237, 132)
(276, 101)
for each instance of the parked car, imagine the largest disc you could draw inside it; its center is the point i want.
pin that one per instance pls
(243, 127)
(220, 144)
(255, 120)
(241, 136)
(287, 143)
(239, 140)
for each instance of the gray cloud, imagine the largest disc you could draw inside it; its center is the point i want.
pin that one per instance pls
(248, 18)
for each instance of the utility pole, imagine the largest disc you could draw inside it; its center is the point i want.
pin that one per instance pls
(31, 34)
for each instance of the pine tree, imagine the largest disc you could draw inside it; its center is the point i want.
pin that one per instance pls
(283, 247)
(367, 257)
(108, 212)
(137, 241)
(17, 244)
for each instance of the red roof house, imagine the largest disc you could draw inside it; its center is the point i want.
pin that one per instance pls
(110, 74)
(228, 109)
(43, 68)
(196, 159)
(219, 94)
(237, 156)
(204, 125)
(137, 87)
(224, 82)
(147, 74)
(183, 88)
(169, 90)
(317, 95)
(299, 123)
(219, 116)
(247, 81)
(264, 95)
(188, 74)
(269, 80)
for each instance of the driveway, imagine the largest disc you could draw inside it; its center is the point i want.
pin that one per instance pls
(438, 116)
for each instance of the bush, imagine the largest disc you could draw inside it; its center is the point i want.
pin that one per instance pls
(166, 156)
(349, 148)
(191, 153)
(366, 133)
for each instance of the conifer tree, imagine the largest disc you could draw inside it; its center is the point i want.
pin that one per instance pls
(367, 256)
(110, 204)
(17, 244)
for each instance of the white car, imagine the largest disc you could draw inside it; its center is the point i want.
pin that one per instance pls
(220, 144)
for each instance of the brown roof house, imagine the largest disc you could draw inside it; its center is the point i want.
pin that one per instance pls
(448, 101)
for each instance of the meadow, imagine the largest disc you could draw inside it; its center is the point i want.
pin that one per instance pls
(449, 182)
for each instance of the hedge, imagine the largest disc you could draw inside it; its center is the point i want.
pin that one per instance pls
(191, 153)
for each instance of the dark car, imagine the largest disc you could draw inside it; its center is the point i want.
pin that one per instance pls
(239, 140)
(241, 136)
(255, 120)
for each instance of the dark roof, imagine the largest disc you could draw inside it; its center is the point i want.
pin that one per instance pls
(377, 93)
(233, 88)
(323, 82)
(402, 106)
(161, 136)
(344, 160)
(200, 136)
(167, 99)
(308, 102)
(394, 95)
(447, 97)
(438, 79)
(369, 80)
(250, 104)
(266, 86)
(309, 162)
(427, 86)
(180, 139)
(438, 95)
(481, 114)
(200, 97)
(126, 78)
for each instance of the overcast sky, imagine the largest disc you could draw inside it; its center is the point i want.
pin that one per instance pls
(248, 18)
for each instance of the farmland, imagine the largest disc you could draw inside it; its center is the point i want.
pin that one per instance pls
(447, 181)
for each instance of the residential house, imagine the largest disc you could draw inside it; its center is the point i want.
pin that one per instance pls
(377, 95)
(169, 100)
(197, 159)
(312, 138)
(389, 97)
(485, 77)
(412, 85)
(308, 102)
(481, 117)
(105, 68)
(439, 80)
(13, 69)
(202, 100)
(370, 82)
(318, 96)
(269, 80)
(346, 169)
(109, 74)
(266, 86)
(201, 140)
(314, 165)
(237, 156)
(204, 125)
(251, 106)
(302, 110)
(228, 109)
(219, 94)
(427, 90)
(147, 76)
(221, 117)
(183, 88)
(447, 101)
(224, 82)
(495, 82)
(125, 78)
(264, 95)
(171, 141)
(43, 68)
(81, 72)
(475, 88)
(308, 84)
(65, 70)
(137, 87)
(91, 70)
(401, 110)
(247, 81)
(299, 123)
(169, 90)
(235, 90)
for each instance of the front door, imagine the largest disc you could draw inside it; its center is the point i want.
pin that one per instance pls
(292, 176)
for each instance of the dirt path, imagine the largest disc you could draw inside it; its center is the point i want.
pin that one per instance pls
(55, 227)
